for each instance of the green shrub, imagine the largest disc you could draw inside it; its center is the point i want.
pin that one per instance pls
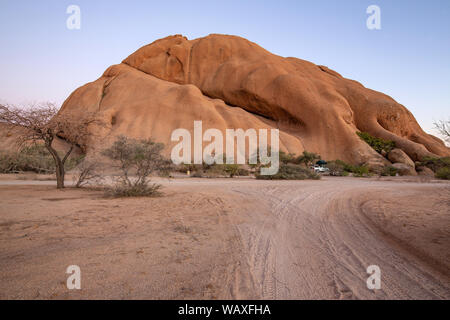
(307, 158)
(215, 170)
(435, 163)
(389, 171)
(341, 168)
(138, 157)
(181, 168)
(197, 174)
(443, 173)
(291, 172)
(360, 171)
(242, 172)
(28, 159)
(7, 164)
(231, 169)
(337, 168)
(440, 166)
(34, 158)
(287, 157)
(346, 166)
(377, 144)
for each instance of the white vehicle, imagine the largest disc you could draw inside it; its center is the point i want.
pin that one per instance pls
(320, 169)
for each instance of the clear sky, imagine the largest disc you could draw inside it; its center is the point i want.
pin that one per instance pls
(408, 59)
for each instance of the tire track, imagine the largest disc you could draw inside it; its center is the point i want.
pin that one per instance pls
(313, 241)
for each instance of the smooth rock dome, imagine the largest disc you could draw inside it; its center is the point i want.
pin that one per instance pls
(230, 82)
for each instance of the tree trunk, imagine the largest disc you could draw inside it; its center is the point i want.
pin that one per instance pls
(60, 172)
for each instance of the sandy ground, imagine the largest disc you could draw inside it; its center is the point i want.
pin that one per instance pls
(228, 238)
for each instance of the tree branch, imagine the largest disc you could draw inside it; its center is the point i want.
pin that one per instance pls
(67, 154)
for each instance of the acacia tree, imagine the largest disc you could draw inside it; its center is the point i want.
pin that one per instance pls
(443, 127)
(41, 123)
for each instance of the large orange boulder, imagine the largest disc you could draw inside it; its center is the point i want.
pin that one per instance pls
(230, 82)
(398, 156)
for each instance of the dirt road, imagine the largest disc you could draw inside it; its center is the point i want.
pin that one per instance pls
(229, 238)
(317, 240)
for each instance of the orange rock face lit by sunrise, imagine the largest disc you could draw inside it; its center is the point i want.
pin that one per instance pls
(230, 82)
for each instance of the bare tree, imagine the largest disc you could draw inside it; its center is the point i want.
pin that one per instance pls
(43, 123)
(444, 129)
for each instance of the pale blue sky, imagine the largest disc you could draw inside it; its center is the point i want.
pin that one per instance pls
(409, 58)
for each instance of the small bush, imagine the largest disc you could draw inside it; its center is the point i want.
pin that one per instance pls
(231, 169)
(346, 166)
(337, 168)
(124, 190)
(307, 158)
(389, 171)
(7, 164)
(377, 144)
(443, 173)
(345, 174)
(287, 157)
(197, 174)
(138, 157)
(435, 163)
(215, 170)
(242, 172)
(290, 172)
(341, 168)
(87, 172)
(34, 158)
(360, 171)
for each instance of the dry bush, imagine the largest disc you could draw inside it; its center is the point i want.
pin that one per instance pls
(120, 190)
(88, 172)
(34, 158)
(215, 170)
(443, 127)
(289, 171)
(338, 168)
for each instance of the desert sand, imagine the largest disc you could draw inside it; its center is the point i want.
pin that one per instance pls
(228, 238)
